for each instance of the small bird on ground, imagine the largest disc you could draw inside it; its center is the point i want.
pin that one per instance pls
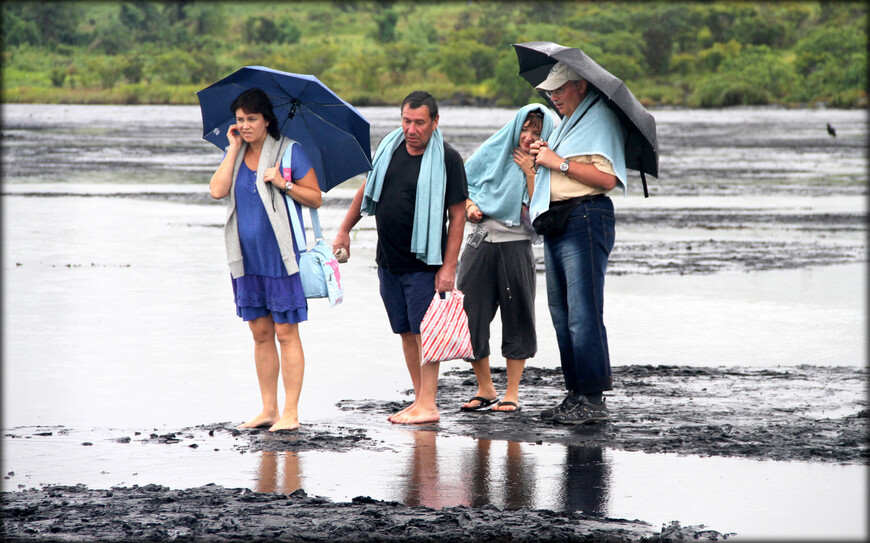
(831, 131)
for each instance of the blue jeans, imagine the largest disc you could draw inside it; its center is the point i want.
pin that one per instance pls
(575, 263)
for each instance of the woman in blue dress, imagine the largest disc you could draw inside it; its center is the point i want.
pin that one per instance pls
(261, 251)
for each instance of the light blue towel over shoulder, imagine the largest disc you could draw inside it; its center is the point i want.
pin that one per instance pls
(431, 187)
(599, 132)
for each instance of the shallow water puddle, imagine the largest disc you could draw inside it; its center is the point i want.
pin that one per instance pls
(748, 497)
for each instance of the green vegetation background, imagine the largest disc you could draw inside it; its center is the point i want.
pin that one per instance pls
(710, 54)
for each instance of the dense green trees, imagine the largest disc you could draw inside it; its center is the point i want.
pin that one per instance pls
(41, 23)
(708, 54)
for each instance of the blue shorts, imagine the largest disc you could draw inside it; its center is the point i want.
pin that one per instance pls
(406, 298)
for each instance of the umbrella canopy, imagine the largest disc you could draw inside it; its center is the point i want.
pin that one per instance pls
(641, 148)
(334, 134)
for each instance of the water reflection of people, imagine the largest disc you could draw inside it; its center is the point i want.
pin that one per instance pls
(517, 485)
(586, 485)
(424, 485)
(271, 479)
(479, 481)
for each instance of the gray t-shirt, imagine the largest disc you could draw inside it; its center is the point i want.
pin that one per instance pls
(498, 232)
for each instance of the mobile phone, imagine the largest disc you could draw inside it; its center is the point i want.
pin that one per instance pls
(476, 236)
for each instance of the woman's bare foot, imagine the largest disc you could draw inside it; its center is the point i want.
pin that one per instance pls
(286, 423)
(417, 415)
(263, 419)
(402, 412)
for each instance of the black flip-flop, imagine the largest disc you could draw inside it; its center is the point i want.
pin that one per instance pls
(506, 410)
(484, 402)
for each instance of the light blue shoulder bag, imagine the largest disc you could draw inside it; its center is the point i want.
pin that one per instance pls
(318, 268)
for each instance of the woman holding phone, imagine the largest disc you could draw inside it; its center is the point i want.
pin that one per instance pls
(261, 252)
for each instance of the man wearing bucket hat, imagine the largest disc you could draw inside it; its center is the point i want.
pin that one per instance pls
(578, 165)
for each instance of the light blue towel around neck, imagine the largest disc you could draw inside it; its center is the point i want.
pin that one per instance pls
(598, 133)
(431, 187)
(495, 183)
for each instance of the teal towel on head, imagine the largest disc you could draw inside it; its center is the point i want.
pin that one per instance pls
(598, 133)
(431, 187)
(495, 183)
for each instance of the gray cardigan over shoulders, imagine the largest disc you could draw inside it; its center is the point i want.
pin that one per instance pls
(272, 151)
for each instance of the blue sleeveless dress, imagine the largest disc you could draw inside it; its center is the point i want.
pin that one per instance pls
(266, 288)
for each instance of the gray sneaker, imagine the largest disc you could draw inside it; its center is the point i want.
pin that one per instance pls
(583, 411)
(567, 403)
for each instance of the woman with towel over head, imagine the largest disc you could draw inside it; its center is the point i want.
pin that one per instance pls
(497, 266)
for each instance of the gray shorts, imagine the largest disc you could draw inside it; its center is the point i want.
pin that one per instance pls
(500, 276)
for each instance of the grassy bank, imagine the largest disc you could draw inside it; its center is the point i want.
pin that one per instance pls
(670, 54)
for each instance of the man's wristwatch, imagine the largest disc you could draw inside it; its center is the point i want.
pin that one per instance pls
(563, 167)
(288, 186)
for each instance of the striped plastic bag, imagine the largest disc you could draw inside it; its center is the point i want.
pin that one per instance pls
(444, 329)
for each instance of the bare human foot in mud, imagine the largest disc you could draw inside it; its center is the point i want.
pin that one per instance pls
(263, 419)
(402, 412)
(416, 415)
(286, 422)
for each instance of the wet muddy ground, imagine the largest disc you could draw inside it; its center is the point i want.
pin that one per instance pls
(805, 413)
(765, 414)
(214, 513)
(796, 413)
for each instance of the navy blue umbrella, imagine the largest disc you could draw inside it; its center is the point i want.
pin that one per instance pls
(334, 134)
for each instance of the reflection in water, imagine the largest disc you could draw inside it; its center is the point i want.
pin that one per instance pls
(279, 472)
(504, 474)
(520, 478)
(508, 474)
(423, 484)
(513, 490)
(479, 473)
(587, 479)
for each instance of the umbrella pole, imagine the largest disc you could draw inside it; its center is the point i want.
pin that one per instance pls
(643, 180)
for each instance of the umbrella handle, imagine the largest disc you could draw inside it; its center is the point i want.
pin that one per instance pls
(643, 180)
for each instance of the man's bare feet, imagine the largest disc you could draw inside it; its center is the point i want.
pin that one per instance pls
(402, 412)
(263, 419)
(417, 415)
(286, 423)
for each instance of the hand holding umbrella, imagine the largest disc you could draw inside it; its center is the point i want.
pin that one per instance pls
(544, 156)
(641, 148)
(333, 133)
